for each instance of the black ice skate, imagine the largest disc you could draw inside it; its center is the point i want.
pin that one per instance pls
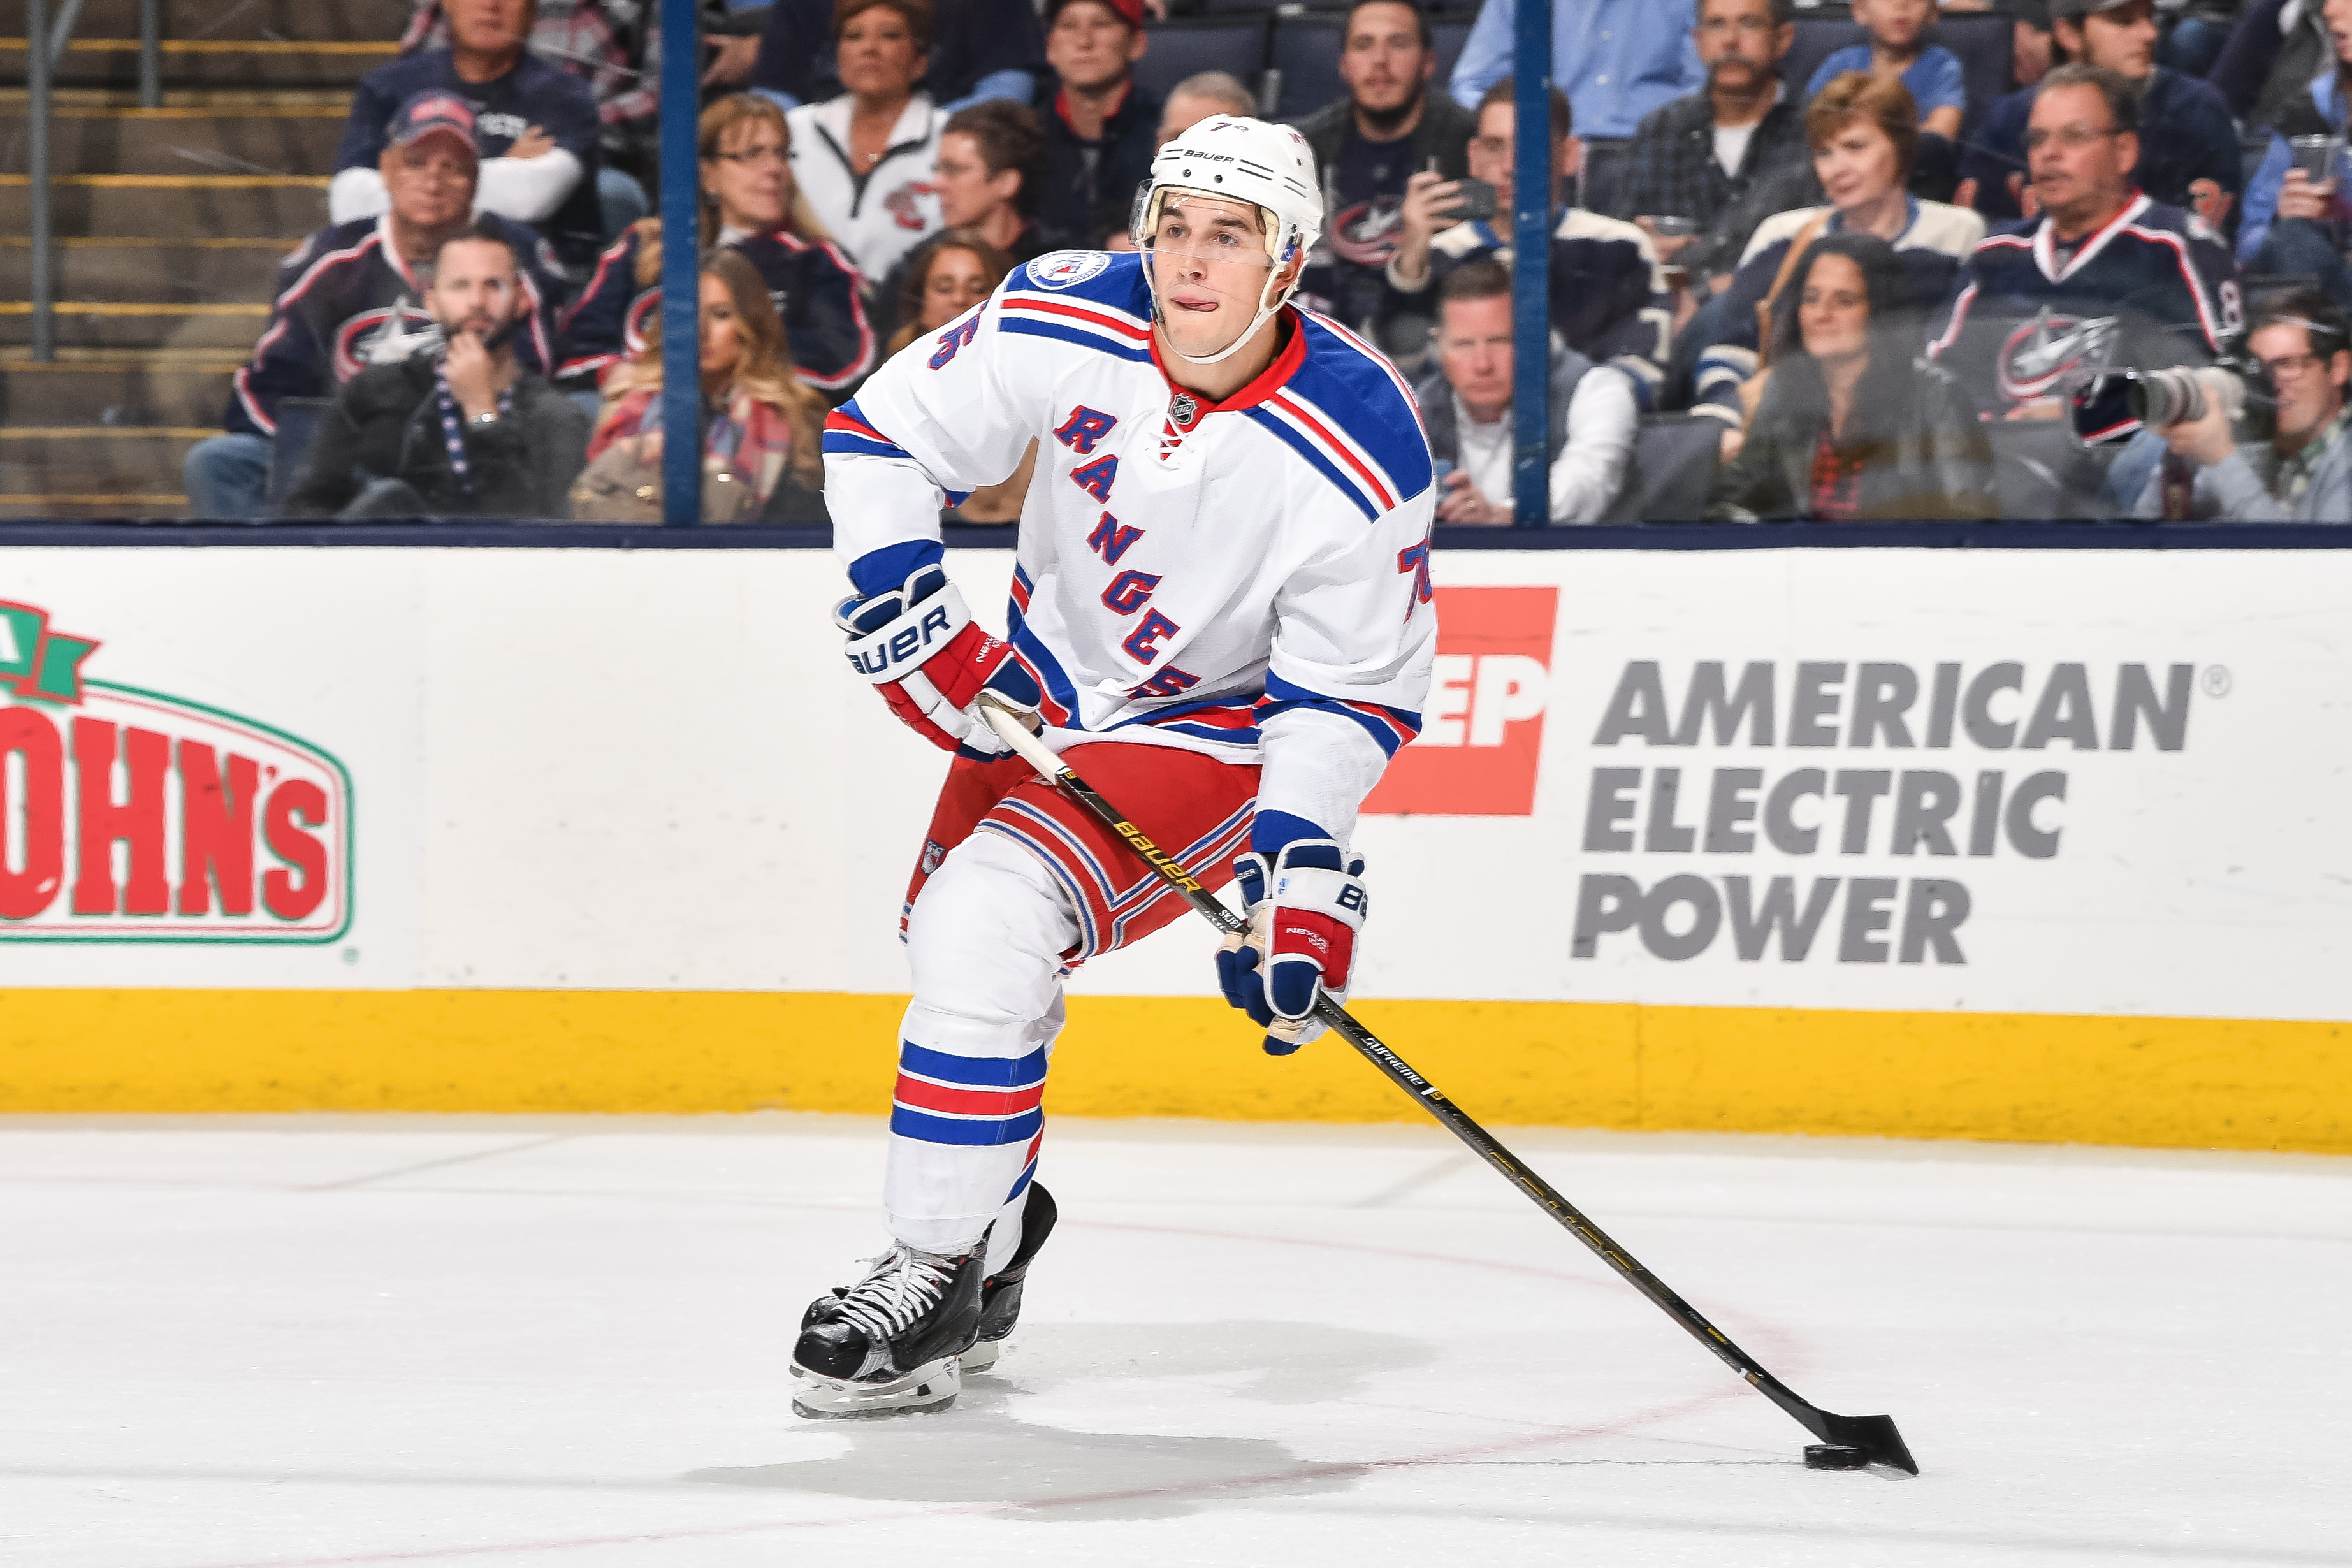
(891, 1343)
(1000, 1293)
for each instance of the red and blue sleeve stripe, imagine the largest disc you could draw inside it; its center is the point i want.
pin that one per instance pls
(848, 432)
(1391, 726)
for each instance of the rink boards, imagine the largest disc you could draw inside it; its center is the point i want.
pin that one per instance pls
(2001, 843)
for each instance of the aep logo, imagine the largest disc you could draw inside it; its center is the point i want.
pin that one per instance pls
(1481, 731)
(129, 816)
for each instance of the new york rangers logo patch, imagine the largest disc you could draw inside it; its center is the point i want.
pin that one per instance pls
(1064, 268)
(933, 853)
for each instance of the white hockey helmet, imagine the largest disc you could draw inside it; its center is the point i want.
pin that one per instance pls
(1231, 157)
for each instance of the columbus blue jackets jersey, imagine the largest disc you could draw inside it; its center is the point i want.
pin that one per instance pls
(347, 298)
(2023, 317)
(816, 289)
(1248, 579)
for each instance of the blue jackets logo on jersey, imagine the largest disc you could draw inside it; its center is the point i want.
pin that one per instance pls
(2039, 357)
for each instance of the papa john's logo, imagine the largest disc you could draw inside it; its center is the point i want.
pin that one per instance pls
(1481, 731)
(130, 815)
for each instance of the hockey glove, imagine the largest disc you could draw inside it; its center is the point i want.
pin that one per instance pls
(921, 649)
(1306, 909)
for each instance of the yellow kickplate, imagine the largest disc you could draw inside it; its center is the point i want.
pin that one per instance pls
(2168, 1082)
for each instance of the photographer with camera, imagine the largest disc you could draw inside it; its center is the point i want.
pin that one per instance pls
(2303, 472)
(1607, 303)
(467, 433)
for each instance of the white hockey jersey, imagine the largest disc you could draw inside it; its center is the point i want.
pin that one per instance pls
(1248, 579)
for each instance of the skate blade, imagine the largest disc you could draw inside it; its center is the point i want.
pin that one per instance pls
(982, 1355)
(932, 1386)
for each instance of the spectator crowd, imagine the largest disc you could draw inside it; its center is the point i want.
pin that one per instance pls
(1940, 269)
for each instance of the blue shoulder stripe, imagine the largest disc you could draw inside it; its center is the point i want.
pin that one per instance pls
(1353, 490)
(1361, 393)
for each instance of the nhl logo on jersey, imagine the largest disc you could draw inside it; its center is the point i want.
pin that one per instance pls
(2041, 358)
(933, 853)
(1065, 268)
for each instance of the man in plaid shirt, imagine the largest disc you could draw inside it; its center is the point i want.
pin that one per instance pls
(1729, 156)
(614, 46)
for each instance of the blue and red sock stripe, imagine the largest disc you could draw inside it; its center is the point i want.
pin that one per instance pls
(974, 1102)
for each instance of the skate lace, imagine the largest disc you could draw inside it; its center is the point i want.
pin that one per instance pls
(903, 1286)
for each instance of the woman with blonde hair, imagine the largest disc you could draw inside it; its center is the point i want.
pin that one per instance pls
(761, 459)
(751, 203)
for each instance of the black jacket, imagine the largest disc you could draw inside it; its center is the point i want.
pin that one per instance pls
(1080, 200)
(1928, 458)
(386, 425)
(1444, 134)
(1346, 279)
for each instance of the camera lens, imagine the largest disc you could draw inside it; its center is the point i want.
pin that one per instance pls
(2163, 396)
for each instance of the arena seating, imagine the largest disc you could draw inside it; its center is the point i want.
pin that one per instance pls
(169, 224)
(1235, 44)
(1288, 54)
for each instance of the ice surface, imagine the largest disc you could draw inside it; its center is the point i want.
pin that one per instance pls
(353, 1341)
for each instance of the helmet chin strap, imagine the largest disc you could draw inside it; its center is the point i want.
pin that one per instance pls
(1266, 308)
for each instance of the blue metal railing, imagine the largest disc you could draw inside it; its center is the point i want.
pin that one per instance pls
(681, 270)
(1531, 176)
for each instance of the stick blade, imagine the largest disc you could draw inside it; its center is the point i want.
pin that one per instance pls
(1874, 1435)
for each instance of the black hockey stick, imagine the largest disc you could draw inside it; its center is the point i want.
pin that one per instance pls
(1851, 1442)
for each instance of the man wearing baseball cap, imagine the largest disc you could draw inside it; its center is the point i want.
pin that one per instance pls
(353, 295)
(1101, 129)
(2189, 144)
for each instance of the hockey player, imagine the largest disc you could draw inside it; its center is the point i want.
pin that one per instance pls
(2031, 310)
(1221, 593)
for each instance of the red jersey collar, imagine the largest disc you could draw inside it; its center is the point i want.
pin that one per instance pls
(1269, 381)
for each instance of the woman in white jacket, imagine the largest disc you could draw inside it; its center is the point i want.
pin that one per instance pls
(864, 159)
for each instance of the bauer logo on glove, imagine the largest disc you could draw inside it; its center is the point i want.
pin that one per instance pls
(1301, 943)
(921, 649)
